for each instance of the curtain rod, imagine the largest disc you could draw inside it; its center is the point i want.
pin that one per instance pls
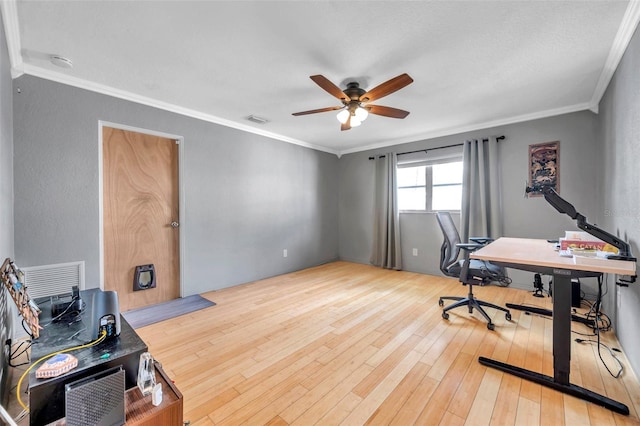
(499, 138)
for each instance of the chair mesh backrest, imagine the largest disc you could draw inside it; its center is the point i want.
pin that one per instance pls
(450, 251)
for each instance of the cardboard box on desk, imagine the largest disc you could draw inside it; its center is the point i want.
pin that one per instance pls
(585, 244)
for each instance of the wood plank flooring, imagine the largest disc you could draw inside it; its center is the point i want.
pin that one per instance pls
(351, 344)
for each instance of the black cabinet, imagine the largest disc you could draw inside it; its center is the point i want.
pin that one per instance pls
(47, 396)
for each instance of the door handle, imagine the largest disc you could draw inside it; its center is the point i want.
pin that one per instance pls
(174, 224)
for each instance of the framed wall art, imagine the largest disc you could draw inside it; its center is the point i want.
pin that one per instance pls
(544, 167)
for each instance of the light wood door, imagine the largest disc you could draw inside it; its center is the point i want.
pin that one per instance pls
(140, 193)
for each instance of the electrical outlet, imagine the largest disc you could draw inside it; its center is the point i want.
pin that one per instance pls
(284, 253)
(415, 251)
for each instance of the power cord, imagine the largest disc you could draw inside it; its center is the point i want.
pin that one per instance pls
(103, 335)
(26, 328)
(14, 354)
(73, 313)
(601, 323)
(611, 352)
(500, 279)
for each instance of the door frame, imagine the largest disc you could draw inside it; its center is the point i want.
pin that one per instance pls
(180, 141)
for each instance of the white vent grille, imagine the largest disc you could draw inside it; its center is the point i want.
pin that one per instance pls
(256, 119)
(50, 280)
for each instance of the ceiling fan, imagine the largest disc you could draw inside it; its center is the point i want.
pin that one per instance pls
(355, 100)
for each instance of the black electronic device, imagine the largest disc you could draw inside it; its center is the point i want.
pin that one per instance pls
(65, 307)
(105, 313)
(144, 277)
(97, 399)
(576, 297)
(47, 396)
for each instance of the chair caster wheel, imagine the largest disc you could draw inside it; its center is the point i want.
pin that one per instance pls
(445, 315)
(490, 326)
(507, 316)
(441, 302)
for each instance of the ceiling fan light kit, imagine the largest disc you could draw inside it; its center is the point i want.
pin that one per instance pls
(343, 116)
(355, 100)
(361, 113)
(356, 113)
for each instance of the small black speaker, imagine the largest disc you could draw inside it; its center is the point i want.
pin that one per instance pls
(105, 314)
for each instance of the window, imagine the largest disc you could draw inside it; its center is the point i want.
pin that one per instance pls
(446, 188)
(431, 187)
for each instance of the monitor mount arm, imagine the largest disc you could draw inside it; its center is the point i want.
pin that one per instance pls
(563, 206)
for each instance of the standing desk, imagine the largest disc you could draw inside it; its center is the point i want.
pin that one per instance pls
(540, 256)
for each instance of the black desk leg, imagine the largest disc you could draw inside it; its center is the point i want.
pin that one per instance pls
(561, 326)
(561, 351)
(569, 389)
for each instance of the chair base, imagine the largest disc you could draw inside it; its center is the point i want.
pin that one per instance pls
(471, 302)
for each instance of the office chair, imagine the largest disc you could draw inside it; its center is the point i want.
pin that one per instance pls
(468, 271)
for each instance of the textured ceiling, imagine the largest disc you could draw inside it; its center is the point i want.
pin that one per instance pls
(475, 64)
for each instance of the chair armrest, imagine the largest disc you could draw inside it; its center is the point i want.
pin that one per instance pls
(469, 246)
(481, 240)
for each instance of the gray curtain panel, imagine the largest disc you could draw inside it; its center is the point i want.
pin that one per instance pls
(481, 214)
(386, 251)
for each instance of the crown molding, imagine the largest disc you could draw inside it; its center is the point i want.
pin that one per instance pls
(480, 126)
(12, 34)
(18, 67)
(143, 100)
(623, 37)
(620, 43)
(132, 97)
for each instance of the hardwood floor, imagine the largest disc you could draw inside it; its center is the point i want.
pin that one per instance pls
(352, 344)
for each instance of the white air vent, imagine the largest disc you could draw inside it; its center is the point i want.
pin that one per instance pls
(50, 280)
(256, 119)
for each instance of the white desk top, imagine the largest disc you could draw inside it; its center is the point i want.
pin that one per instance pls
(526, 251)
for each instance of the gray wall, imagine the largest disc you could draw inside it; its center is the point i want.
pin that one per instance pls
(620, 207)
(532, 218)
(247, 197)
(6, 195)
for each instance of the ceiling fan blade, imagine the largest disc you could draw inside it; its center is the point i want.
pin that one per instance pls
(346, 125)
(314, 111)
(387, 88)
(331, 88)
(387, 111)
